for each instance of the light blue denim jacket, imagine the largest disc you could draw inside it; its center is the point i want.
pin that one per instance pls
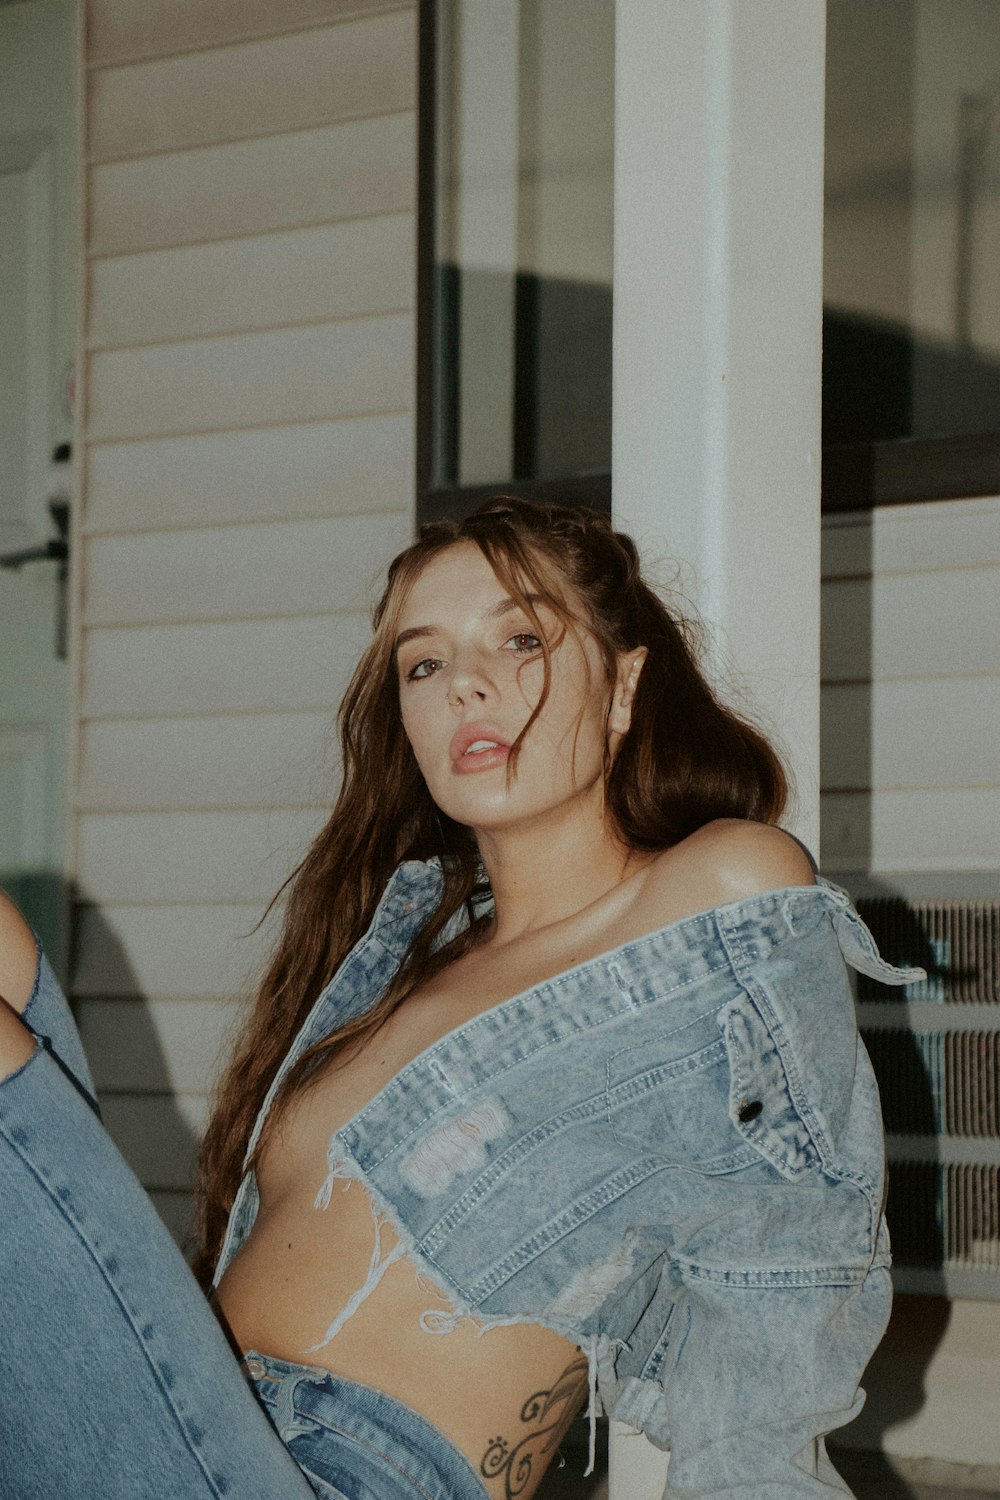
(672, 1154)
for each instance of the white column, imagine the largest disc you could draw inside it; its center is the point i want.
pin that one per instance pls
(717, 325)
(717, 337)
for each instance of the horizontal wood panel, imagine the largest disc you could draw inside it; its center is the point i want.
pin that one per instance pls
(288, 568)
(911, 624)
(170, 950)
(238, 666)
(239, 760)
(912, 538)
(357, 67)
(336, 369)
(942, 829)
(911, 734)
(361, 168)
(304, 469)
(157, 1046)
(158, 1136)
(307, 275)
(119, 30)
(188, 857)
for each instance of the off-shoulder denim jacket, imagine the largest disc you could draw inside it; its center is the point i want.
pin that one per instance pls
(672, 1154)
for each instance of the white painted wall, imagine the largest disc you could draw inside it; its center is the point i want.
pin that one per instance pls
(247, 470)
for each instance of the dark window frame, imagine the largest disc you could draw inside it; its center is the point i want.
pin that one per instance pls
(435, 503)
(855, 476)
(860, 476)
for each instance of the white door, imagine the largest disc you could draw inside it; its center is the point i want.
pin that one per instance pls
(38, 249)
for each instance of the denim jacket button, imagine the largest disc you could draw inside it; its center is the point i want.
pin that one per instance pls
(749, 1110)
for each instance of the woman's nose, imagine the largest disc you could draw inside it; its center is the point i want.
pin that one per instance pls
(469, 684)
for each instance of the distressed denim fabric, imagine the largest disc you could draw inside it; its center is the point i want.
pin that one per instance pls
(356, 1443)
(672, 1154)
(116, 1381)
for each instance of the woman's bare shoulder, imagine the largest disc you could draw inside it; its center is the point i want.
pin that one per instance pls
(729, 859)
(18, 957)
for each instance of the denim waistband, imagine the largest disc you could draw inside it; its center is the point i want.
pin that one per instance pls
(353, 1442)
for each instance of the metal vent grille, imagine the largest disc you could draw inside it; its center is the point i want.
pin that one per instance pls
(957, 942)
(945, 1214)
(935, 1048)
(938, 1082)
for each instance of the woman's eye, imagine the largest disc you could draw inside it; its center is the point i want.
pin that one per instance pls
(524, 641)
(425, 668)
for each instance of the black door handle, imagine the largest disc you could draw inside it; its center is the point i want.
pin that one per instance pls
(56, 549)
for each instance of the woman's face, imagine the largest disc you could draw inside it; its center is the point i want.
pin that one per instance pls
(471, 672)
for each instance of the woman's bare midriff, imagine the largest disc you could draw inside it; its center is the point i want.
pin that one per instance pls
(302, 1266)
(504, 1395)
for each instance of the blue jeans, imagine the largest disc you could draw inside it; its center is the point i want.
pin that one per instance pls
(116, 1381)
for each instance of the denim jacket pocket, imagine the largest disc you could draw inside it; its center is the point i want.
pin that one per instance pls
(675, 1107)
(761, 1106)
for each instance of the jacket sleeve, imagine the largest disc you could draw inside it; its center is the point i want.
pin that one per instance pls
(779, 1285)
(763, 1375)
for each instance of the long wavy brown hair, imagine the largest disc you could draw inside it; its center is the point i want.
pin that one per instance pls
(687, 759)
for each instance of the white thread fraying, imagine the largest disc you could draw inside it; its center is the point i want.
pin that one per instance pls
(434, 1319)
(439, 1320)
(454, 1147)
(377, 1268)
(338, 1172)
(592, 1404)
(590, 1287)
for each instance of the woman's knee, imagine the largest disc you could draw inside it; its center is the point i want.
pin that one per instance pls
(17, 1043)
(18, 956)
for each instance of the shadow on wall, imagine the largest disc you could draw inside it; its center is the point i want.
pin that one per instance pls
(139, 1104)
(895, 1380)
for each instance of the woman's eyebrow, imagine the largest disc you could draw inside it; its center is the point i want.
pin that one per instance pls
(413, 634)
(503, 607)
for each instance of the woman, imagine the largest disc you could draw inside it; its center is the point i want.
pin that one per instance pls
(552, 1086)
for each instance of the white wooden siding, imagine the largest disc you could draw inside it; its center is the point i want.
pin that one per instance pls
(257, 88)
(231, 760)
(280, 182)
(247, 469)
(284, 375)
(239, 571)
(149, 28)
(159, 1044)
(173, 670)
(151, 951)
(246, 853)
(296, 469)
(911, 669)
(302, 276)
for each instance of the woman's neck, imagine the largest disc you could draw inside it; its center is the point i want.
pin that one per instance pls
(546, 871)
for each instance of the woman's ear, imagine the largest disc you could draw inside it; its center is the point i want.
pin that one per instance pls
(623, 694)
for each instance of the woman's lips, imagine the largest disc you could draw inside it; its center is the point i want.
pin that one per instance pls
(477, 747)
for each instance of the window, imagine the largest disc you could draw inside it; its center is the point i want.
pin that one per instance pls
(911, 405)
(516, 158)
